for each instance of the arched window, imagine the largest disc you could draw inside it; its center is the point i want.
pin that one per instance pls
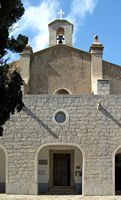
(60, 31)
(60, 36)
(62, 91)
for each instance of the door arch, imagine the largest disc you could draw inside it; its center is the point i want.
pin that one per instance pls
(44, 163)
(3, 169)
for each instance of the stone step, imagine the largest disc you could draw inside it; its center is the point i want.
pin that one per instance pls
(56, 197)
(61, 190)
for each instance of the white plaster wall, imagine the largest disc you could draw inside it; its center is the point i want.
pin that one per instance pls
(2, 166)
(43, 155)
(78, 162)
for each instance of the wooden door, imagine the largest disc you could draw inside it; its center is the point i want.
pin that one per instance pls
(61, 169)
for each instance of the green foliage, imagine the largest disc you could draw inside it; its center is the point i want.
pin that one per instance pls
(10, 92)
(18, 44)
(10, 79)
(11, 11)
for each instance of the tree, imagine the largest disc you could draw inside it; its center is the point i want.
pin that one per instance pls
(10, 78)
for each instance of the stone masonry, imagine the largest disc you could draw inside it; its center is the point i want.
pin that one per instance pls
(95, 131)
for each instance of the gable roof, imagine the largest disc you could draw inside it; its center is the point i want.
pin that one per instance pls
(61, 46)
(112, 70)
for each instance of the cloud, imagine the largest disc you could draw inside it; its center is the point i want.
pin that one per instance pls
(35, 22)
(78, 12)
(80, 8)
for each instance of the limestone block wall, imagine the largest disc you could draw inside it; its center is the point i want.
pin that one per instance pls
(95, 132)
(103, 87)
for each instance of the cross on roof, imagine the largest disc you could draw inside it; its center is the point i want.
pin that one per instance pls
(61, 13)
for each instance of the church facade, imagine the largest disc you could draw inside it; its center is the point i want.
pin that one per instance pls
(67, 138)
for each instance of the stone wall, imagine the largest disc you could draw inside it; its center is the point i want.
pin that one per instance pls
(103, 87)
(95, 132)
(112, 72)
(60, 67)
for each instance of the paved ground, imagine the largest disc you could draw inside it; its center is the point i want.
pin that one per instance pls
(55, 197)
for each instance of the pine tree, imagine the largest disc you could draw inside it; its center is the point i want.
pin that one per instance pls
(10, 79)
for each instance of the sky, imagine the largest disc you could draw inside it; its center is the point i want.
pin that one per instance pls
(90, 17)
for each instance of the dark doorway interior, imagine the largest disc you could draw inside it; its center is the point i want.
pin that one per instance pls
(2, 187)
(118, 174)
(61, 169)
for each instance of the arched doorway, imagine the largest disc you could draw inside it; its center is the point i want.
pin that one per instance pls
(118, 172)
(2, 171)
(59, 168)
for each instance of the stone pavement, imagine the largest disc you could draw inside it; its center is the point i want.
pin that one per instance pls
(57, 197)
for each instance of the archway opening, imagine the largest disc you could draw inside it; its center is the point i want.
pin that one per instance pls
(60, 35)
(59, 169)
(62, 91)
(60, 30)
(2, 171)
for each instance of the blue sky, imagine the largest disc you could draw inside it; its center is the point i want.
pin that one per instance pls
(90, 17)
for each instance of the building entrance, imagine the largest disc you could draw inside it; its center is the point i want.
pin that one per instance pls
(2, 171)
(59, 169)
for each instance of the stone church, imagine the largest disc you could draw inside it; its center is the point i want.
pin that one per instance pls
(67, 138)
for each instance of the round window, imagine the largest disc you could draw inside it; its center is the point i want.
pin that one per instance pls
(60, 117)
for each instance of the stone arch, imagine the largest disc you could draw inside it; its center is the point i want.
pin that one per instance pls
(117, 171)
(62, 91)
(69, 146)
(3, 169)
(60, 30)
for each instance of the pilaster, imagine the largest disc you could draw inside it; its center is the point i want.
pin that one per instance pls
(25, 58)
(96, 51)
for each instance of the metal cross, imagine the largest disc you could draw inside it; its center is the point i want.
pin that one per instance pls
(61, 13)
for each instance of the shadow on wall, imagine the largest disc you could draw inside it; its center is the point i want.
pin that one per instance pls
(31, 114)
(107, 114)
(40, 78)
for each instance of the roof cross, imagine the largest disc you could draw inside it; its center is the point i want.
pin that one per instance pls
(61, 13)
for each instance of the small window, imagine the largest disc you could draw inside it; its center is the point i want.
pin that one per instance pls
(60, 117)
(60, 36)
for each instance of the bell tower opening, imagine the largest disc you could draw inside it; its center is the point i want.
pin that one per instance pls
(60, 32)
(60, 36)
